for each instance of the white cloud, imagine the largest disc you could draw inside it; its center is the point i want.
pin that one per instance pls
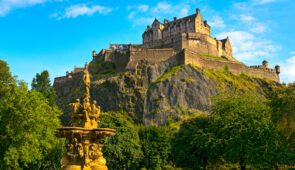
(82, 9)
(292, 52)
(258, 28)
(143, 8)
(162, 7)
(160, 11)
(247, 47)
(246, 18)
(217, 22)
(183, 12)
(7, 5)
(288, 69)
(250, 23)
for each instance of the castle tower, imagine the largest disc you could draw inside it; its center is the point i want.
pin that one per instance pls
(265, 64)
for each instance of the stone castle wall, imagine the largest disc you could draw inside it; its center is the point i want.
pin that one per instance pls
(234, 67)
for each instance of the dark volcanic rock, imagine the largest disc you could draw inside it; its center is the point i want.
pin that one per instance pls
(154, 94)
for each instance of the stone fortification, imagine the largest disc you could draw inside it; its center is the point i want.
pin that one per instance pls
(181, 41)
(69, 75)
(191, 57)
(190, 32)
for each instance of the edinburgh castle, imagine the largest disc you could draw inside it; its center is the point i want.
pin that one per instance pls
(181, 41)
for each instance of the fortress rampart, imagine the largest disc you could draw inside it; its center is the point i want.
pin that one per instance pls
(181, 41)
(191, 57)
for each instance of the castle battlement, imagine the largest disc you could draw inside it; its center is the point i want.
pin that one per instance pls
(182, 41)
(69, 75)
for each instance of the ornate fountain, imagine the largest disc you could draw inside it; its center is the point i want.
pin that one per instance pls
(83, 149)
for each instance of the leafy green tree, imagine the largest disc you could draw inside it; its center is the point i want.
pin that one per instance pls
(195, 144)
(156, 145)
(27, 125)
(5, 77)
(122, 151)
(42, 84)
(282, 103)
(243, 124)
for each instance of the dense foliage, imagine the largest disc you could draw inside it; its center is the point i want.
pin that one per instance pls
(240, 130)
(282, 103)
(242, 122)
(195, 145)
(123, 151)
(156, 146)
(42, 84)
(27, 125)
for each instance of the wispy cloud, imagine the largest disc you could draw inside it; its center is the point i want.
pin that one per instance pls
(217, 22)
(7, 5)
(247, 47)
(81, 9)
(246, 18)
(162, 7)
(288, 69)
(144, 14)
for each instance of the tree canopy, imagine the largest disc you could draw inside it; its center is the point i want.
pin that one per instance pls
(243, 124)
(122, 151)
(27, 125)
(42, 84)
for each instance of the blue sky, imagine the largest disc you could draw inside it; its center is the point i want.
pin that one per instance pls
(57, 34)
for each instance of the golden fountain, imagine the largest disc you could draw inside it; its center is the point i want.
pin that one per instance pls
(83, 149)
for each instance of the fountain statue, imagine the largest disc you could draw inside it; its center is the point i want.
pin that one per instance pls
(83, 148)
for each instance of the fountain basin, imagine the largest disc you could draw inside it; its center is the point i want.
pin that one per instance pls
(97, 133)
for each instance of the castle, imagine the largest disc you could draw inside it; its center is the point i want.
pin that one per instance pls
(181, 41)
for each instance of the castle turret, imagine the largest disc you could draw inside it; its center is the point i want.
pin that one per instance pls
(265, 64)
(93, 53)
(198, 11)
(166, 21)
(278, 70)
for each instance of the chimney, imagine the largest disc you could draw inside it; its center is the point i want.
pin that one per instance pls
(197, 11)
(148, 27)
(93, 53)
(175, 18)
(166, 21)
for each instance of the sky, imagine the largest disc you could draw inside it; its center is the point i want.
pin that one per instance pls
(56, 35)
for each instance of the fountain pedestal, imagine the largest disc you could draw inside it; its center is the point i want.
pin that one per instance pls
(84, 149)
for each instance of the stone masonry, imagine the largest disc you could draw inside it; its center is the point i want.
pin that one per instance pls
(181, 41)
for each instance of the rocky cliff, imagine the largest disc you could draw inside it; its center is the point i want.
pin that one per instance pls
(154, 94)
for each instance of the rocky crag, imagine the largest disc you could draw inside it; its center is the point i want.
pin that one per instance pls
(154, 94)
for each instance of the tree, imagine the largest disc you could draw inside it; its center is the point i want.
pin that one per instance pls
(281, 101)
(42, 84)
(195, 144)
(156, 145)
(5, 77)
(27, 125)
(243, 124)
(122, 151)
